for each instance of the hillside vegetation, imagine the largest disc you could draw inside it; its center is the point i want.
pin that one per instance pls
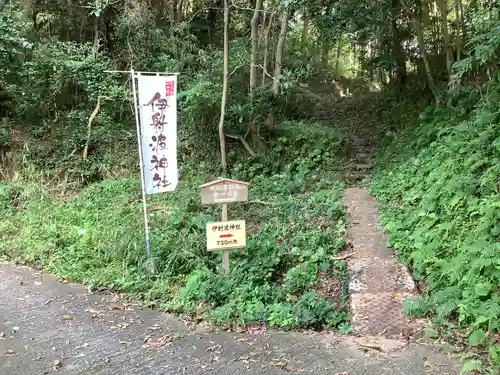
(296, 224)
(439, 185)
(295, 97)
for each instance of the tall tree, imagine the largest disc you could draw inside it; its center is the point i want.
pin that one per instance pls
(279, 51)
(443, 17)
(254, 31)
(458, 29)
(397, 48)
(304, 41)
(417, 24)
(266, 31)
(225, 84)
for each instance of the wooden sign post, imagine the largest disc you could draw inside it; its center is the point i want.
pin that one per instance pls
(226, 234)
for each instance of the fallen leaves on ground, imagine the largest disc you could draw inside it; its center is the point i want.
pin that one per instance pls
(214, 348)
(257, 329)
(279, 364)
(57, 364)
(283, 365)
(63, 280)
(162, 341)
(94, 313)
(121, 307)
(381, 344)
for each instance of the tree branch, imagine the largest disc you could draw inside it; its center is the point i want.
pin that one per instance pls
(244, 143)
(89, 125)
(235, 69)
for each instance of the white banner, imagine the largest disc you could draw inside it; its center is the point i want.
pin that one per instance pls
(158, 119)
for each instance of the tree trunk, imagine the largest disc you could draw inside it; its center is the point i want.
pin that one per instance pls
(397, 49)
(436, 27)
(380, 43)
(222, 136)
(423, 53)
(266, 49)
(179, 15)
(325, 50)
(417, 21)
(443, 17)
(337, 57)
(462, 22)
(458, 30)
(254, 25)
(262, 29)
(425, 14)
(279, 52)
(304, 41)
(95, 46)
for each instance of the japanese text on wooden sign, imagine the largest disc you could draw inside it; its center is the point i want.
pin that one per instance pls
(158, 120)
(226, 235)
(224, 191)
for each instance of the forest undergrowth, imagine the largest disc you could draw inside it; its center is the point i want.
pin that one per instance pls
(295, 225)
(438, 182)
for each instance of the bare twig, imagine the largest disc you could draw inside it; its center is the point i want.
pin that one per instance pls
(89, 125)
(371, 346)
(343, 257)
(218, 8)
(264, 70)
(246, 8)
(262, 202)
(247, 147)
(244, 143)
(235, 69)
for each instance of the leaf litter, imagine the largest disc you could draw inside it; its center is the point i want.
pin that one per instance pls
(163, 341)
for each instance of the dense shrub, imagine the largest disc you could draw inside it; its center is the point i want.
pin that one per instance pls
(439, 185)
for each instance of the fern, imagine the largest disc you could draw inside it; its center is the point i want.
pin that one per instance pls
(438, 190)
(472, 367)
(417, 307)
(446, 309)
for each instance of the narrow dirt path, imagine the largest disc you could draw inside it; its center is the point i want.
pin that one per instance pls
(378, 282)
(51, 327)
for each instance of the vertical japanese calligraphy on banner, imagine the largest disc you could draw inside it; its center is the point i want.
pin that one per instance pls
(157, 100)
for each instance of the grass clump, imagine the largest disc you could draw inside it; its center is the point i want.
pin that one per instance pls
(295, 224)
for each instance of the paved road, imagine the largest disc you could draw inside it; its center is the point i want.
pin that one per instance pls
(48, 327)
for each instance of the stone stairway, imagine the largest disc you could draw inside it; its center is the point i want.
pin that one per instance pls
(357, 169)
(378, 282)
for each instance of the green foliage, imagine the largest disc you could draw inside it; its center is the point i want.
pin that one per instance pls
(476, 338)
(417, 307)
(96, 237)
(439, 187)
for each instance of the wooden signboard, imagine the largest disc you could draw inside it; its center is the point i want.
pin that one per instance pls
(224, 191)
(224, 235)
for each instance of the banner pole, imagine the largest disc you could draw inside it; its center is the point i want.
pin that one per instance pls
(141, 161)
